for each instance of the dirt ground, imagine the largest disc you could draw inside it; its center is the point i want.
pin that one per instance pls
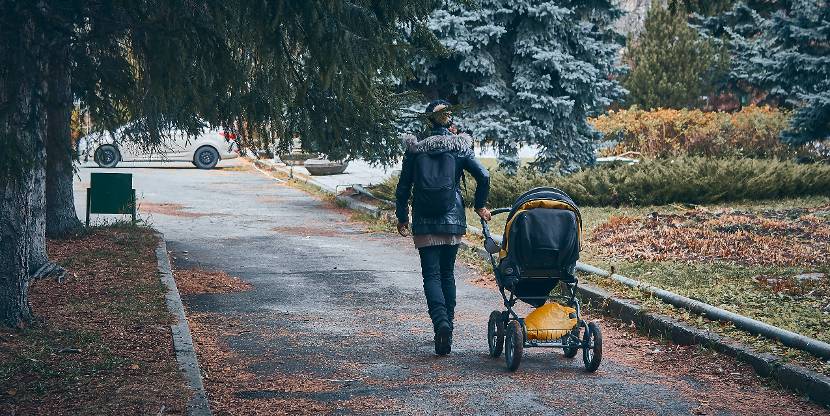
(101, 343)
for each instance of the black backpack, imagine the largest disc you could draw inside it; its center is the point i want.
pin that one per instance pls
(435, 183)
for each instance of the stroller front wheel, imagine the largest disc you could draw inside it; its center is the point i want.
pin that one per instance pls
(514, 345)
(570, 352)
(495, 333)
(592, 347)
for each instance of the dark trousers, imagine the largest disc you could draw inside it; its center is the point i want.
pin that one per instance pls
(437, 268)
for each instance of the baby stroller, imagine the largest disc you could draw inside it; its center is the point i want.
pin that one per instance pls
(538, 252)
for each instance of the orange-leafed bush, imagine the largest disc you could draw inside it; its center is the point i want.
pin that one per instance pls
(751, 132)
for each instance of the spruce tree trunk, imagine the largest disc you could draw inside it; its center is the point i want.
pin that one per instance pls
(61, 218)
(37, 224)
(22, 127)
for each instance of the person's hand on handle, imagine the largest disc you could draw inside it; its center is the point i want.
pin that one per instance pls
(484, 213)
(403, 228)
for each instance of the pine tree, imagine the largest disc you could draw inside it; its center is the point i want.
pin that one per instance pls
(702, 7)
(672, 66)
(783, 48)
(318, 67)
(526, 72)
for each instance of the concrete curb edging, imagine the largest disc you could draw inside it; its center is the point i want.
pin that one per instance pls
(792, 377)
(799, 379)
(296, 176)
(182, 341)
(346, 201)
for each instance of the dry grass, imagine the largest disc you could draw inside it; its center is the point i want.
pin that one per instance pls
(795, 237)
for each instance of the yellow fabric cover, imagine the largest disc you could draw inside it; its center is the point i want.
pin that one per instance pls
(549, 322)
(539, 203)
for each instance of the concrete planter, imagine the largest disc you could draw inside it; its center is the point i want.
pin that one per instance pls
(295, 159)
(319, 167)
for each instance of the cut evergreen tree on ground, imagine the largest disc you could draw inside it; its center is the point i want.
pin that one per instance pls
(683, 180)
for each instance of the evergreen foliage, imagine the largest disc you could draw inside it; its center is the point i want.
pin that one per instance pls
(702, 7)
(784, 49)
(320, 68)
(526, 72)
(689, 179)
(672, 66)
(327, 70)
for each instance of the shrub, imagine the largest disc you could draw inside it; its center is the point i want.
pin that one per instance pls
(751, 132)
(696, 180)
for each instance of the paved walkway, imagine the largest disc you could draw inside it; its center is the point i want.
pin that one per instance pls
(357, 173)
(336, 321)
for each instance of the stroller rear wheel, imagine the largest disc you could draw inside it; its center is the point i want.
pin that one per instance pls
(514, 344)
(495, 333)
(592, 347)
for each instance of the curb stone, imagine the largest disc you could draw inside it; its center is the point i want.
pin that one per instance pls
(346, 201)
(182, 340)
(296, 176)
(792, 377)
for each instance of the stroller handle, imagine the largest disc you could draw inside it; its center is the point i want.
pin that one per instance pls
(485, 228)
(499, 211)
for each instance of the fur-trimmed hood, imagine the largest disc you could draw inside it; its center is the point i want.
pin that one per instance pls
(446, 143)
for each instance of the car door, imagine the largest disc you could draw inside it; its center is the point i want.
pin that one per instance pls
(173, 146)
(128, 149)
(130, 145)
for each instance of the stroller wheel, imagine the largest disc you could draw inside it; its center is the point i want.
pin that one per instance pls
(592, 347)
(514, 344)
(495, 333)
(570, 352)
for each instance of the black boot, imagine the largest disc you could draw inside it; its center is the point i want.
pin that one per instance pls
(443, 335)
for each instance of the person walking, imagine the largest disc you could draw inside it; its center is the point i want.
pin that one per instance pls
(432, 170)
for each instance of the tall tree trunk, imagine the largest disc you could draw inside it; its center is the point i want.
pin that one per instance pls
(37, 224)
(22, 132)
(61, 217)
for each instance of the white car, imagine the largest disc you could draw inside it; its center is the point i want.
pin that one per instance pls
(204, 150)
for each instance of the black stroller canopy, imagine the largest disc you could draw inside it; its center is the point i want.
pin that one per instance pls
(544, 193)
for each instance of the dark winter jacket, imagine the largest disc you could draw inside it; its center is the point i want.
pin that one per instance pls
(460, 146)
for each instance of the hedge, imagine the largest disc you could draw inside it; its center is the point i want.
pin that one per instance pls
(696, 180)
(751, 132)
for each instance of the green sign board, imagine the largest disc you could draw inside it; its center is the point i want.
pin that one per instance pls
(110, 193)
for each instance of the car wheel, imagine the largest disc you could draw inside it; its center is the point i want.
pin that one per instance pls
(206, 157)
(107, 156)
